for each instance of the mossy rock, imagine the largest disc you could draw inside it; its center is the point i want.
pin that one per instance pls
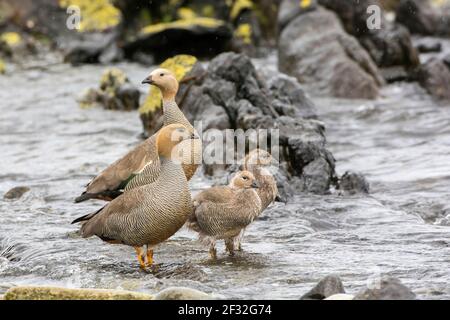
(12, 39)
(186, 69)
(2, 67)
(55, 293)
(115, 92)
(96, 15)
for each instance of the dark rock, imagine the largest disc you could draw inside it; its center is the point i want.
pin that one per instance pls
(425, 17)
(434, 76)
(389, 45)
(427, 46)
(16, 192)
(191, 37)
(233, 94)
(396, 73)
(328, 286)
(388, 289)
(446, 60)
(95, 38)
(353, 182)
(315, 49)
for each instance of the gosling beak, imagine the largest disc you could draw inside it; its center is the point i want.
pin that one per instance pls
(148, 80)
(255, 185)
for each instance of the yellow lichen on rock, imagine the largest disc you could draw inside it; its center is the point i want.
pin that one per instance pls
(96, 15)
(239, 6)
(180, 65)
(305, 3)
(11, 38)
(2, 67)
(244, 32)
(112, 79)
(182, 24)
(186, 13)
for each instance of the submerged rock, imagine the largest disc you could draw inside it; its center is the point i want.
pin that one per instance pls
(182, 293)
(114, 93)
(327, 287)
(434, 76)
(16, 192)
(353, 183)
(425, 17)
(55, 293)
(315, 49)
(387, 289)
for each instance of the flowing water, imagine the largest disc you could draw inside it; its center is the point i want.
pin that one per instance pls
(401, 142)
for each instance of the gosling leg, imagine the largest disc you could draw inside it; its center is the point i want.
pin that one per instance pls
(213, 251)
(229, 244)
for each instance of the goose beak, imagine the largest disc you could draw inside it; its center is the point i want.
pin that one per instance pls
(148, 80)
(255, 185)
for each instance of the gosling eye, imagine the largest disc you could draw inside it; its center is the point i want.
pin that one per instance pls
(245, 178)
(161, 74)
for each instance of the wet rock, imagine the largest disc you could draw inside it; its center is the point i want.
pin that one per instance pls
(389, 44)
(55, 293)
(388, 289)
(340, 296)
(425, 16)
(187, 70)
(314, 48)
(182, 293)
(233, 94)
(327, 287)
(16, 192)
(434, 76)
(446, 60)
(81, 43)
(114, 93)
(427, 46)
(353, 183)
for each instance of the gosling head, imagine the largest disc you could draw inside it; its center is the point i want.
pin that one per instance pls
(259, 157)
(165, 81)
(170, 136)
(244, 180)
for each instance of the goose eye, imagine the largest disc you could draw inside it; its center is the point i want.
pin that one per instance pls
(161, 74)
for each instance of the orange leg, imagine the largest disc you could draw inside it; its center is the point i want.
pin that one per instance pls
(149, 257)
(140, 256)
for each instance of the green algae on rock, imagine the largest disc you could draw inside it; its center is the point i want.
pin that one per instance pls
(55, 293)
(115, 92)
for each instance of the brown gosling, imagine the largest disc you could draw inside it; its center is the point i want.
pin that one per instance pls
(141, 165)
(221, 212)
(148, 215)
(258, 162)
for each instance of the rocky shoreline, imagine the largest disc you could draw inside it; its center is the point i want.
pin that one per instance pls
(328, 288)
